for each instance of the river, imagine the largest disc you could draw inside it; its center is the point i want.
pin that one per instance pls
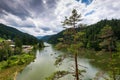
(43, 66)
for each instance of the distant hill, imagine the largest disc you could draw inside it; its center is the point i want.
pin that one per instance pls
(7, 32)
(53, 39)
(39, 37)
(45, 38)
(92, 30)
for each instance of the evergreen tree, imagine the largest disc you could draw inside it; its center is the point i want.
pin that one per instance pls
(18, 46)
(72, 21)
(107, 38)
(18, 43)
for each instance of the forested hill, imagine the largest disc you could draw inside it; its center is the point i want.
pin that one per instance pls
(7, 32)
(92, 31)
(53, 39)
(45, 38)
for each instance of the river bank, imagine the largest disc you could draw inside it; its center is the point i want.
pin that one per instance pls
(14, 65)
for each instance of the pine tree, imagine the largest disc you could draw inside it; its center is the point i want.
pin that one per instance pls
(107, 38)
(72, 21)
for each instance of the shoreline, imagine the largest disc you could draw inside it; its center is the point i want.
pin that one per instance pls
(11, 72)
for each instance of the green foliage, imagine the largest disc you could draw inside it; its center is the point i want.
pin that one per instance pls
(5, 51)
(40, 44)
(17, 60)
(106, 32)
(59, 59)
(118, 46)
(45, 38)
(54, 39)
(18, 43)
(107, 38)
(73, 19)
(114, 66)
(1, 39)
(94, 30)
(17, 51)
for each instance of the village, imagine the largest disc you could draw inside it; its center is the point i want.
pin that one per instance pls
(11, 44)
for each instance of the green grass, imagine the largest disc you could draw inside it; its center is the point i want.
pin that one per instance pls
(1, 39)
(16, 60)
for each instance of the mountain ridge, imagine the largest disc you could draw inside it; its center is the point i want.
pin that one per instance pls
(8, 32)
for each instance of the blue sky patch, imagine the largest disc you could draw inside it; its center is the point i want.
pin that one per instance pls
(87, 2)
(89, 13)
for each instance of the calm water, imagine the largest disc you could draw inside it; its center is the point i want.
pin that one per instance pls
(43, 66)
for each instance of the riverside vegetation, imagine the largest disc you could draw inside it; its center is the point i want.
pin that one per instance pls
(13, 61)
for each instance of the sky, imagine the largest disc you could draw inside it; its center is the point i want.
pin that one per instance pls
(43, 17)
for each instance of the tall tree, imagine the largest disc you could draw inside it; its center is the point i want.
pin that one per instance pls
(18, 46)
(108, 43)
(18, 43)
(72, 21)
(107, 38)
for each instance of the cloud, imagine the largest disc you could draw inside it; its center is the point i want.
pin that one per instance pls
(43, 17)
(103, 9)
(13, 7)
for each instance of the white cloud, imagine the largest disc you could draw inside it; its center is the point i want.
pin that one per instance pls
(104, 9)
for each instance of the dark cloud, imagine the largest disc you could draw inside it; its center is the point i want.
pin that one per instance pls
(38, 31)
(36, 5)
(13, 7)
(40, 9)
(24, 9)
(26, 25)
(51, 3)
(46, 28)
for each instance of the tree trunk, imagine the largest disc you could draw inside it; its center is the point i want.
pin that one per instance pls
(114, 78)
(109, 48)
(76, 67)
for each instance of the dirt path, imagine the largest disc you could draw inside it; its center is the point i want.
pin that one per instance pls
(15, 75)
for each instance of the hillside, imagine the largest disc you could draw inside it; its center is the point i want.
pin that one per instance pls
(92, 31)
(45, 38)
(7, 32)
